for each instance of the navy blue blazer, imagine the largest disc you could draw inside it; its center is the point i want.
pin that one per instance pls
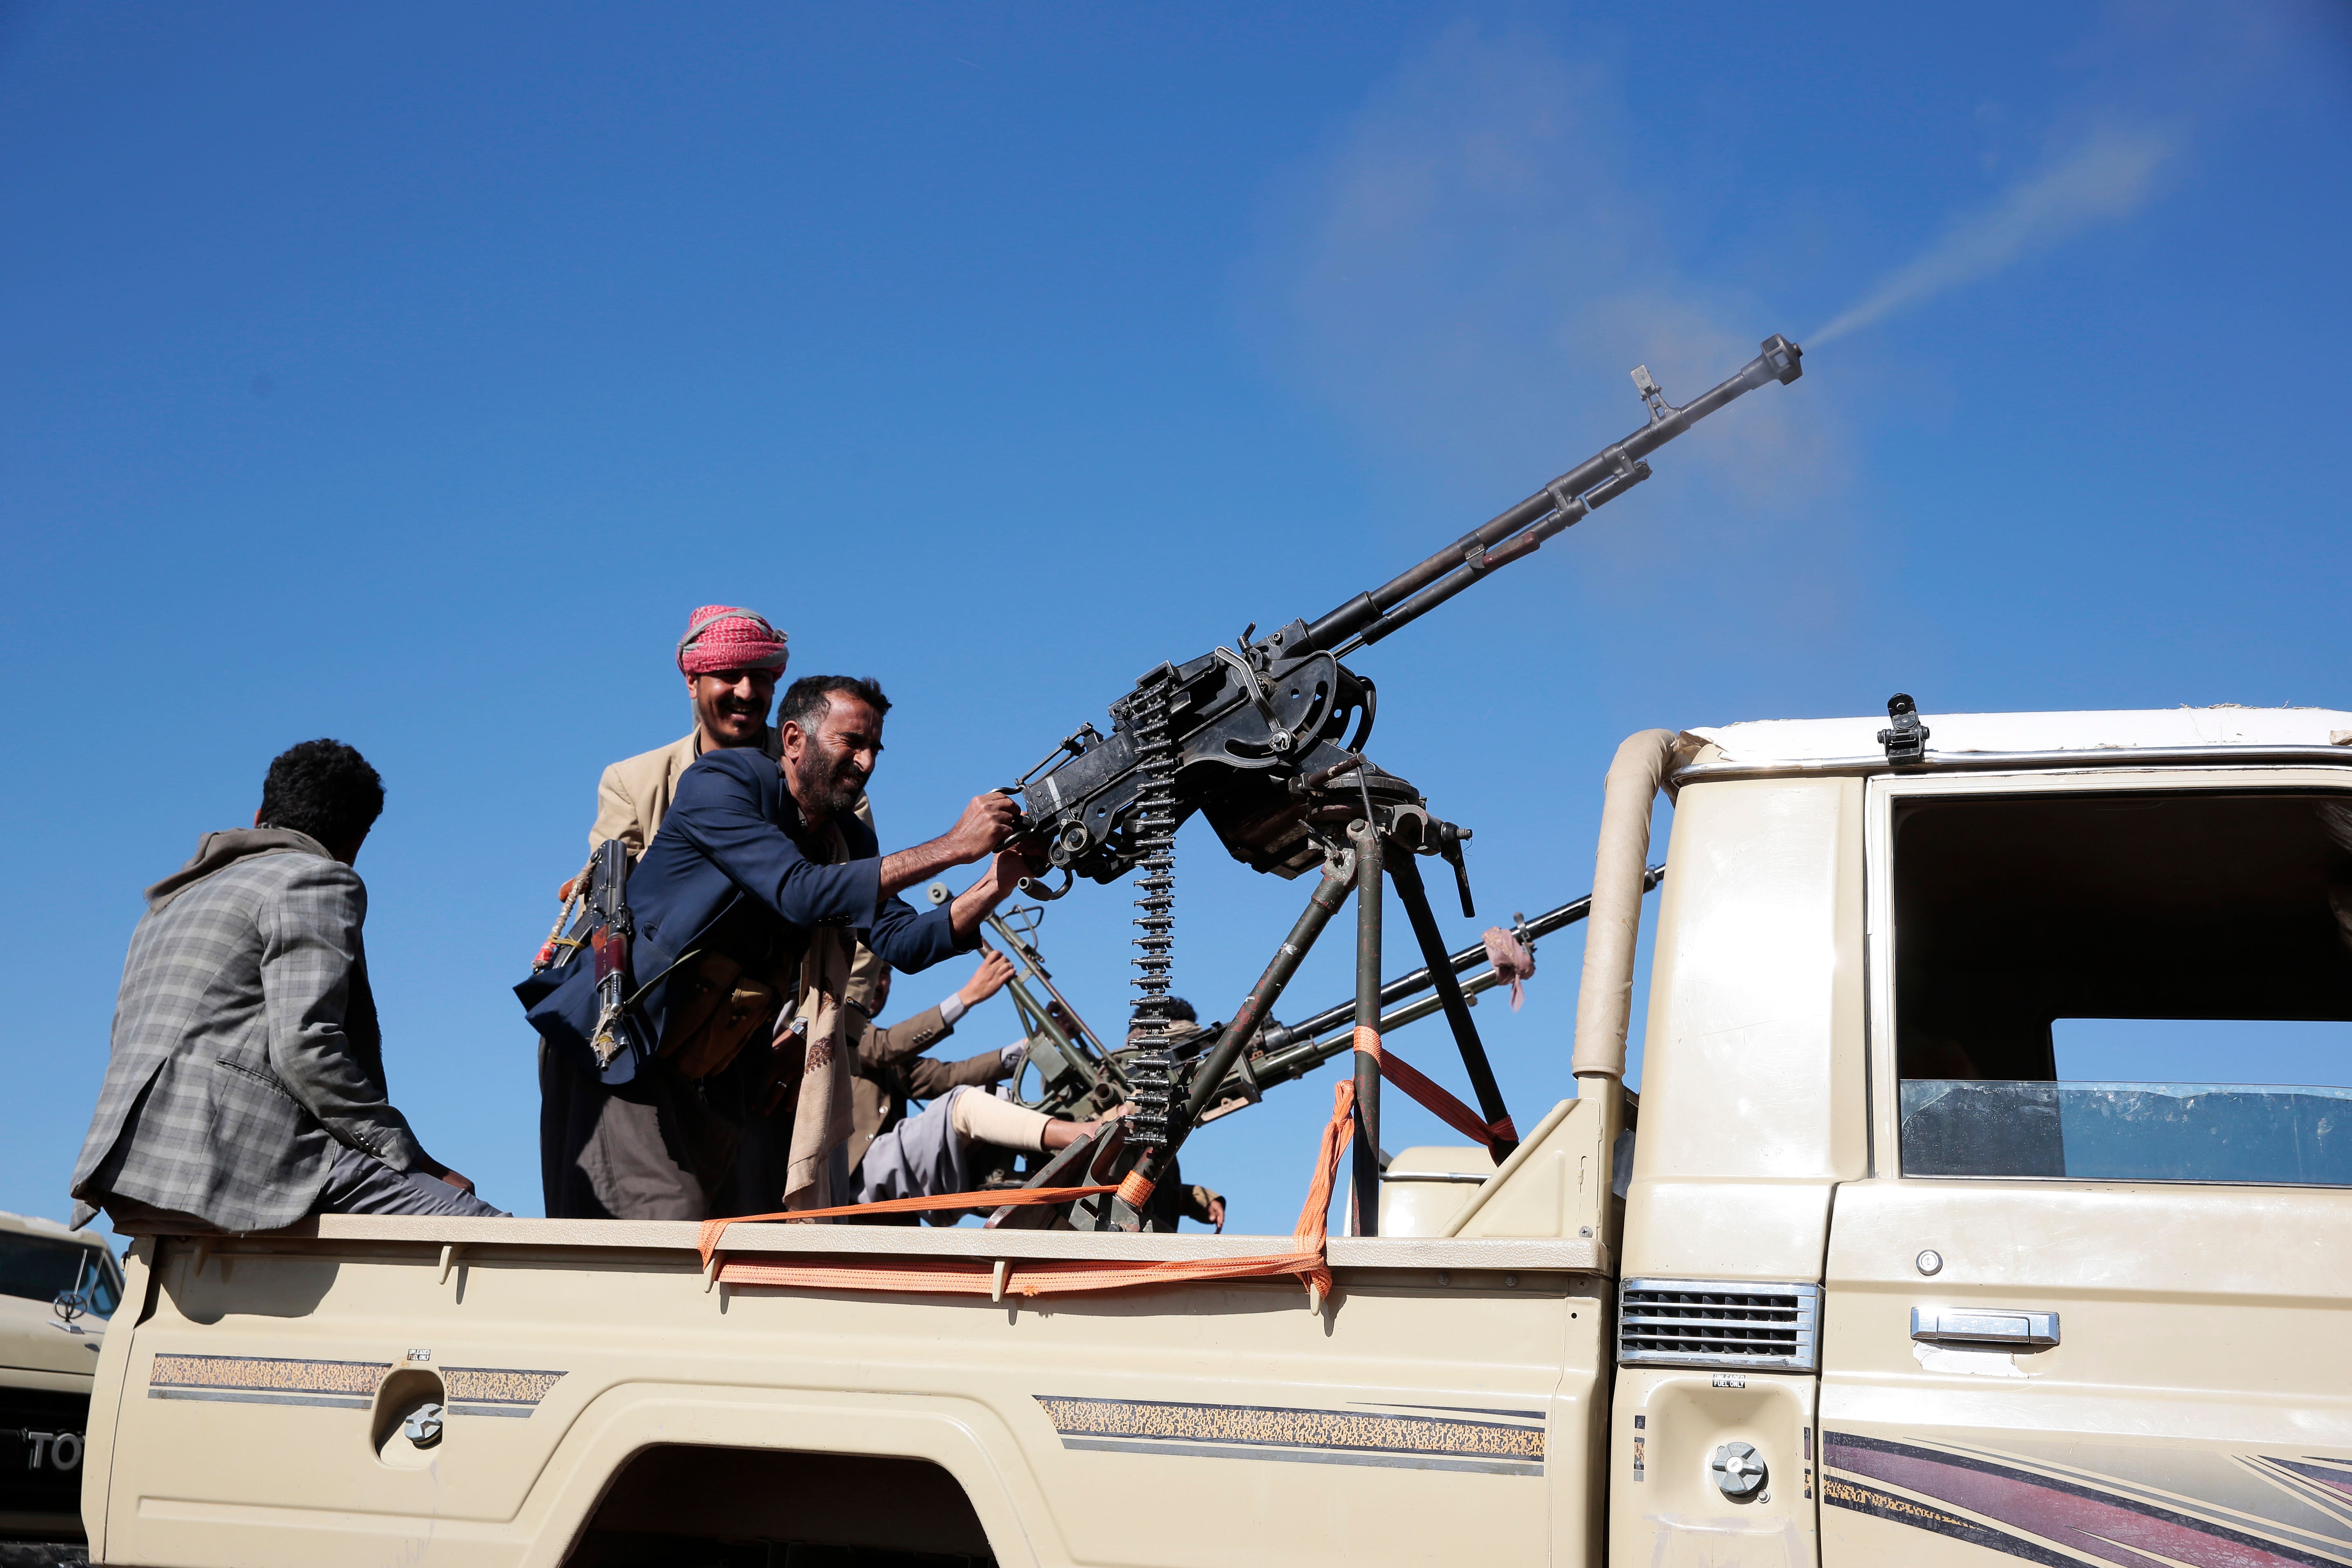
(728, 840)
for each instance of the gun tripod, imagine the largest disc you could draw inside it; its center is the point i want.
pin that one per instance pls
(1382, 844)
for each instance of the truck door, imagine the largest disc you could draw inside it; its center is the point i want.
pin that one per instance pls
(2090, 1305)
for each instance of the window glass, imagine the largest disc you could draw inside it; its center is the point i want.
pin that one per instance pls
(2152, 986)
(40, 1269)
(2291, 1136)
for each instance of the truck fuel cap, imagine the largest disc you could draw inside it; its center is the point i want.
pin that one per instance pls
(1738, 1470)
(422, 1426)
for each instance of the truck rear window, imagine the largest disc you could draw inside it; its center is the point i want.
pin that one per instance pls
(2145, 986)
(40, 1269)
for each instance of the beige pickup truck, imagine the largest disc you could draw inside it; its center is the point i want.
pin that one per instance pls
(57, 1288)
(1969, 1214)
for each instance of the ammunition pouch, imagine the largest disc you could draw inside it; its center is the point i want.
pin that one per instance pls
(714, 1008)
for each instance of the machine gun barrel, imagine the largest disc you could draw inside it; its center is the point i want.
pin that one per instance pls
(1280, 1040)
(1599, 479)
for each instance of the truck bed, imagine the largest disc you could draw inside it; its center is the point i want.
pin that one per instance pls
(606, 1403)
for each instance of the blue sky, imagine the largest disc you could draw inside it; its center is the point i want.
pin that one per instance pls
(406, 373)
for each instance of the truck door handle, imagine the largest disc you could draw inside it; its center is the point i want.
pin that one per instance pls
(1939, 1324)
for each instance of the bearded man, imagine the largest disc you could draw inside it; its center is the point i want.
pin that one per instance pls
(755, 892)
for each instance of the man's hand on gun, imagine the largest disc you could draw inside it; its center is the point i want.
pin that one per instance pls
(986, 827)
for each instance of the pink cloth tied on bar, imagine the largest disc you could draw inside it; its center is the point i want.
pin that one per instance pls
(1511, 960)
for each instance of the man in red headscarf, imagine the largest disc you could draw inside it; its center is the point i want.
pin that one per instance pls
(623, 1154)
(731, 660)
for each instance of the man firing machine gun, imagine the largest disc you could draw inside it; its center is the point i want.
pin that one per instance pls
(1251, 737)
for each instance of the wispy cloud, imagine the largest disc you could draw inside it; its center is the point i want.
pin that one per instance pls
(2109, 177)
(1467, 273)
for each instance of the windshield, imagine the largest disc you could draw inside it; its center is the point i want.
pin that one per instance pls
(40, 1269)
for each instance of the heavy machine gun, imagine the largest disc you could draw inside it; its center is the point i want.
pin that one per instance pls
(1266, 740)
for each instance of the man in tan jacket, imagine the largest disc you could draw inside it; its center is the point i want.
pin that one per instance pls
(891, 1066)
(731, 660)
(609, 1152)
(939, 1150)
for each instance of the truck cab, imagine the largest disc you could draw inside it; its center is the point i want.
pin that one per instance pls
(1989, 1196)
(1984, 1199)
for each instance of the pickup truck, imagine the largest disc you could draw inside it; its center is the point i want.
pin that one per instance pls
(57, 1288)
(1920, 1245)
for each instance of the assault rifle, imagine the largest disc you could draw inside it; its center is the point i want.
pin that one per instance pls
(1258, 738)
(616, 1040)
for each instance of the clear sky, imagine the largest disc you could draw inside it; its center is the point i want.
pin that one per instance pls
(406, 373)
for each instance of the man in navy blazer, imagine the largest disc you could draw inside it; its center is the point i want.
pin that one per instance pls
(739, 868)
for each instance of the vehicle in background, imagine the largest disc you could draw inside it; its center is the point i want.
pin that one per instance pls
(57, 1288)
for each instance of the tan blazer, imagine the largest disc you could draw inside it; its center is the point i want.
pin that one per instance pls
(892, 1069)
(634, 794)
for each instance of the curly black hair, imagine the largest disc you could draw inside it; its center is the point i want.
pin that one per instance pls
(323, 788)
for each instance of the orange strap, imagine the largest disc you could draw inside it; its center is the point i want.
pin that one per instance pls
(712, 1229)
(1432, 1097)
(1022, 1278)
(1305, 1260)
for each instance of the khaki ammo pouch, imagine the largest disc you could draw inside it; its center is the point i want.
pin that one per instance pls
(721, 1007)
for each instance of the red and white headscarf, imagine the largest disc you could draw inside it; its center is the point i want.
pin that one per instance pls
(727, 637)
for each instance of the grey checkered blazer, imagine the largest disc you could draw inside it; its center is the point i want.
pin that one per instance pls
(246, 1046)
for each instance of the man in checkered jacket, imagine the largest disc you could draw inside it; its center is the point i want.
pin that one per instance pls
(246, 1087)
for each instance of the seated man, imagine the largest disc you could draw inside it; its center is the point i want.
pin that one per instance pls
(246, 1087)
(933, 1152)
(892, 1067)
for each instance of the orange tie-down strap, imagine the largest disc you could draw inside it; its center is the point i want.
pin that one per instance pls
(1433, 1097)
(1305, 1259)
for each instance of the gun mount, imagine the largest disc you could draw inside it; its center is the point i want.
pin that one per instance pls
(1266, 740)
(1284, 1054)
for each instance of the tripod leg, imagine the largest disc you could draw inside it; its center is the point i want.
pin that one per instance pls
(1415, 899)
(1369, 892)
(1330, 894)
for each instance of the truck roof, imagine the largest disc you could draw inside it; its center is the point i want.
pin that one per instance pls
(34, 1225)
(1981, 740)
